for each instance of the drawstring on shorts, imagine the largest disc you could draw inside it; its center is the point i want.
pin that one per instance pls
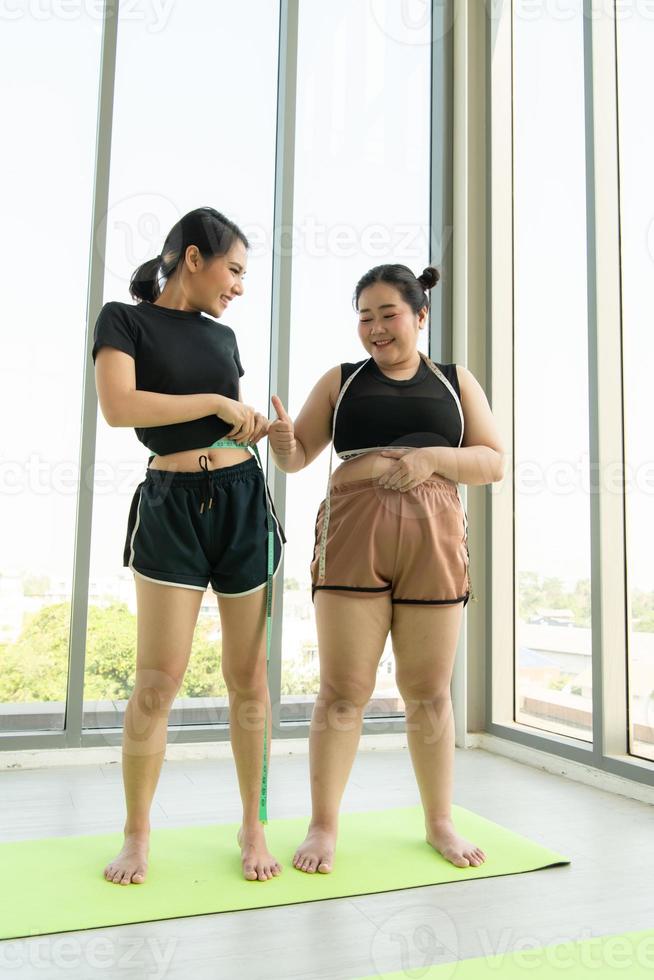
(209, 483)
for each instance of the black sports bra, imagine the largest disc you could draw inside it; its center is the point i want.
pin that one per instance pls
(380, 412)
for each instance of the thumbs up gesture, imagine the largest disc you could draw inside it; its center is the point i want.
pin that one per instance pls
(281, 434)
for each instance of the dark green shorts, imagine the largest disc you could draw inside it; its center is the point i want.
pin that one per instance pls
(175, 537)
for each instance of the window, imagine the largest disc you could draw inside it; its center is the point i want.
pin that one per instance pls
(635, 35)
(49, 75)
(361, 199)
(553, 687)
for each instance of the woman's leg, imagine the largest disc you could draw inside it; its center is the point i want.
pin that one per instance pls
(243, 624)
(166, 619)
(352, 633)
(424, 642)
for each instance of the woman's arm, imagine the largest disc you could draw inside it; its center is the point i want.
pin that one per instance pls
(481, 458)
(313, 426)
(475, 465)
(123, 404)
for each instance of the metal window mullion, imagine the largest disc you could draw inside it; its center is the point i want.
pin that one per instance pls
(280, 330)
(440, 179)
(500, 571)
(95, 288)
(454, 347)
(468, 319)
(606, 450)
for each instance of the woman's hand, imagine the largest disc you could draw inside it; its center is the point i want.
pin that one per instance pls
(414, 466)
(261, 428)
(248, 426)
(281, 431)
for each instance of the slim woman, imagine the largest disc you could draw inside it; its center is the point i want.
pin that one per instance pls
(390, 546)
(198, 518)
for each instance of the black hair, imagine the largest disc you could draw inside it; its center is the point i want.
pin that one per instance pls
(411, 288)
(208, 229)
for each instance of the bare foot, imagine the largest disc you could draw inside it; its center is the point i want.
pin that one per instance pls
(258, 862)
(316, 851)
(457, 850)
(131, 865)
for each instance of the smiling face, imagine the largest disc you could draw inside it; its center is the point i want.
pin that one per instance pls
(221, 279)
(208, 285)
(384, 315)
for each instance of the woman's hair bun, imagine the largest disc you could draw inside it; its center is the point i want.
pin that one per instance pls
(428, 277)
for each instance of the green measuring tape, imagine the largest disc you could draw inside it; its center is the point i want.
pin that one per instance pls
(227, 443)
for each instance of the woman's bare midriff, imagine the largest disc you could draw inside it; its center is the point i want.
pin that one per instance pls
(372, 464)
(189, 460)
(361, 468)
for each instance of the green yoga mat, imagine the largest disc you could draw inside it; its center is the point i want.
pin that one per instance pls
(56, 884)
(629, 955)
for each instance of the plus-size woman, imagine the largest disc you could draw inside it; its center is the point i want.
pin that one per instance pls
(200, 516)
(390, 548)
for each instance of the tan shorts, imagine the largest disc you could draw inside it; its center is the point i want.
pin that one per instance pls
(410, 543)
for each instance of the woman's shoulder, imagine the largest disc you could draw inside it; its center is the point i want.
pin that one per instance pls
(115, 326)
(115, 308)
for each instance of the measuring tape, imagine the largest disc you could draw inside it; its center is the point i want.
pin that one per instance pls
(228, 443)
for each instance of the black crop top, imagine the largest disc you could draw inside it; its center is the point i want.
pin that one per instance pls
(380, 411)
(176, 352)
